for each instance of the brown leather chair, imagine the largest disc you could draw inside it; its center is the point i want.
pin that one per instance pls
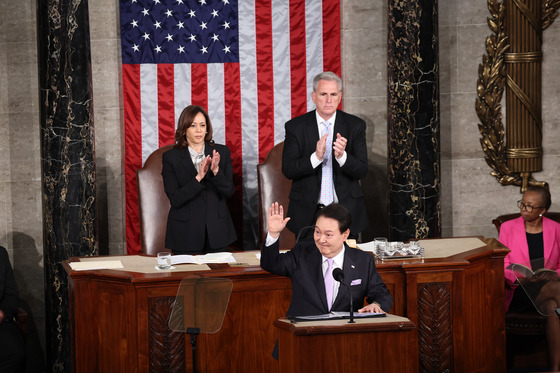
(525, 331)
(274, 187)
(153, 204)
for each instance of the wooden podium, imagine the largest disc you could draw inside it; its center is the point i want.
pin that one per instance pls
(384, 344)
(455, 298)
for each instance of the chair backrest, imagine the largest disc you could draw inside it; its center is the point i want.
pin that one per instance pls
(503, 218)
(273, 187)
(153, 204)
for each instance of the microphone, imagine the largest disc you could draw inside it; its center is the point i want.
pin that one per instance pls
(338, 275)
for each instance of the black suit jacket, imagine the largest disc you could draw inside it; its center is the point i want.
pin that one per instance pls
(303, 264)
(300, 142)
(196, 206)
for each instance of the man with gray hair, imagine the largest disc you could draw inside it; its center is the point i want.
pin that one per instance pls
(325, 156)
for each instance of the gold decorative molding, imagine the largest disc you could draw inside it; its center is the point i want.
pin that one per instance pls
(511, 164)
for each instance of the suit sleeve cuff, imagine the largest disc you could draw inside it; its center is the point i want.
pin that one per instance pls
(314, 160)
(342, 160)
(269, 240)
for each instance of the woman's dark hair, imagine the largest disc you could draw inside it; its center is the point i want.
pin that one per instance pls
(546, 199)
(339, 213)
(185, 121)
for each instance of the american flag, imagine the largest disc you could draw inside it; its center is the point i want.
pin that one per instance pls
(250, 63)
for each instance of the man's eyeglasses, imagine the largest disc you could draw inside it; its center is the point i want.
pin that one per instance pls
(527, 208)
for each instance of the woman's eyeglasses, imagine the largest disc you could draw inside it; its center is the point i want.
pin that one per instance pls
(527, 208)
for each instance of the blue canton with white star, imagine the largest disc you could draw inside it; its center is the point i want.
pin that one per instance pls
(179, 31)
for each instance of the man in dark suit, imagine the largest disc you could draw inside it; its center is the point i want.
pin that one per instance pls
(325, 156)
(310, 266)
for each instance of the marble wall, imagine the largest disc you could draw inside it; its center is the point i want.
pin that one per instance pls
(21, 229)
(470, 198)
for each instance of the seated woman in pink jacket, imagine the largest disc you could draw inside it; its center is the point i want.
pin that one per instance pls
(530, 237)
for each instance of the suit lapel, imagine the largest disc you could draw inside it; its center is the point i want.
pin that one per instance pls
(186, 161)
(522, 239)
(349, 269)
(316, 272)
(548, 242)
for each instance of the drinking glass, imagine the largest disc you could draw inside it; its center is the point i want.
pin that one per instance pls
(380, 243)
(164, 260)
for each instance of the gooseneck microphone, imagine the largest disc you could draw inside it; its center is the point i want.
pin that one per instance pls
(338, 275)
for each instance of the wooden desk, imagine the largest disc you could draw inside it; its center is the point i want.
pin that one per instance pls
(119, 318)
(386, 344)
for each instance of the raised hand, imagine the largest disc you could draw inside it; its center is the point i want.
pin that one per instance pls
(276, 221)
(339, 145)
(203, 169)
(321, 147)
(215, 166)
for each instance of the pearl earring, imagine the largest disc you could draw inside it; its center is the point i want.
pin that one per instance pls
(540, 215)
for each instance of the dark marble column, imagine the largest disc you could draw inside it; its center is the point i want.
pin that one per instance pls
(68, 163)
(413, 119)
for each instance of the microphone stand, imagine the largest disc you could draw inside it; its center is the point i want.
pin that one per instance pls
(338, 275)
(351, 305)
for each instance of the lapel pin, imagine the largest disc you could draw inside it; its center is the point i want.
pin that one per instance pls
(353, 266)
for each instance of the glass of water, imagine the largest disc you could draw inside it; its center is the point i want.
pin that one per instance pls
(164, 260)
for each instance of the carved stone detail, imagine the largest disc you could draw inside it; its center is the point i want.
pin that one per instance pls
(435, 338)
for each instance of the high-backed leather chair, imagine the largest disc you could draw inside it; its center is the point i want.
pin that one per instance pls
(525, 331)
(153, 204)
(274, 187)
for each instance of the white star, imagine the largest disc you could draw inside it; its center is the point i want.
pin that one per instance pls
(202, 2)
(214, 13)
(226, 49)
(181, 49)
(225, 2)
(203, 25)
(146, 36)
(145, 12)
(226, 24)
(179, 1)
(204, 50)
(168, 13)
(134, 1)
(169, 37)
(157, 24)
(157, 49)
(215, 37)
(192, 37)
(192, 13)
(134, 23)
(156, 1)
(181, 25)
(135, 48)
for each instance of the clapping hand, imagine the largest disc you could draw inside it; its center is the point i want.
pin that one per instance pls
(276, 221)
(321, 147)
(339, 145)
(215, 166)
(203, 169)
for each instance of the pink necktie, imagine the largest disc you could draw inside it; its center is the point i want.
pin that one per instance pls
(326, 197)
(329, 283)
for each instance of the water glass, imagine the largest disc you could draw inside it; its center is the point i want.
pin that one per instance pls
(164, 260)
(380, 243)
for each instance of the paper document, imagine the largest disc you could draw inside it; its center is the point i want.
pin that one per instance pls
(338, 315)
(99, 264)
(367, 246)
(224, 257)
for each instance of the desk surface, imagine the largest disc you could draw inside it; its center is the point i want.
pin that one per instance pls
(436, 250)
